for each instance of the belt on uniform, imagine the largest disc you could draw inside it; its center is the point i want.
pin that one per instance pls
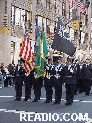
(68, 76)
(51, 75)
(17, 75)
(57, 77)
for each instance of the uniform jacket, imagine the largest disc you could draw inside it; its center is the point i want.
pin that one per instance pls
(49, 78)
(77, 67)
(19, 74)
(70, 78)
(38, 81)
(87, 71)
(59, 74)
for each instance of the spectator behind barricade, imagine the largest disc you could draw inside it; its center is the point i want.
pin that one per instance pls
(6, 72)
(11, 69)
(9, 73)
(2, 69)
(1, 78)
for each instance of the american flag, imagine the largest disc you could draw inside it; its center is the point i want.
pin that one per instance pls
(27, 52)
(82, 6)
(70, 3)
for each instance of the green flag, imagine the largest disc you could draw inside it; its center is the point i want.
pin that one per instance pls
(41, 54)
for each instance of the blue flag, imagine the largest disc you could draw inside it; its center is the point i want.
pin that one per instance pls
(37, 37)
(81, 1)
(26, 31)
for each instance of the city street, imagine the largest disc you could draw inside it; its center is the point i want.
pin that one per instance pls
(10, 110)
(45, 41)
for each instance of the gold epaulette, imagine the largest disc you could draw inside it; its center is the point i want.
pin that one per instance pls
(44, 74)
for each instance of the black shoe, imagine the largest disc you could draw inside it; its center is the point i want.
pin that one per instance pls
(17, 100)
(58, 102)
(55, 103)
(35, 101)
(29, 97)
(25, 100)
(87, 94)
(68, 103)
(80, 92)
(75, 93)
(47, 102)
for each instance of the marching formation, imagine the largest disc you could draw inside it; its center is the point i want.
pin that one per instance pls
(77, 78)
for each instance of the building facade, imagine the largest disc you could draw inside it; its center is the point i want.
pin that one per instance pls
(15, 13)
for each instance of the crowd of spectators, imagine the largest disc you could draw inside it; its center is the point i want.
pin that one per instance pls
(7, 75)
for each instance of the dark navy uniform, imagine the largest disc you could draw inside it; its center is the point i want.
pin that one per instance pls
(19, 76)
(37, 84)
(70, 79)
(77, 68)
(81, 80)
(58, 83)
(87, 77)
(91, 73)
(49, 80)
(28, 85)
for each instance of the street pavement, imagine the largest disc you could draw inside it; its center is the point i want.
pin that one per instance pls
(10, 110)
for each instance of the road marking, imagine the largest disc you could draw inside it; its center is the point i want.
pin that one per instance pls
(85, 101)
(73, 100)
(7, 96)
(15, 111)
(11, 97)
(89, 120)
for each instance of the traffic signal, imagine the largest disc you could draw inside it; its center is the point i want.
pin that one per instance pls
(75, 25)
(80, 25)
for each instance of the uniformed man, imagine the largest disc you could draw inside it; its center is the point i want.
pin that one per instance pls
(49, 81)
(28, 85)
(19, 76)
(91, 72)
(70, 79)
(77, 68)
(87, 76)
(58, 81)
(37, 84)
(81, 84)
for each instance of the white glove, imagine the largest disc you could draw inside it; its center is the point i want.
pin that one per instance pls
(60, 69)
(56, 69)
(27, 74)
(71, 70)
(47, 67)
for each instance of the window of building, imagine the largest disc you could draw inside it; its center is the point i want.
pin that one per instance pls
(86, 20)
(25, 15)
(28, 16)
(48, 4)
(17, 16)
(44, 21)
(48, 26)
(5, 7)
(63, 9)
(12, 14)
(22, 17)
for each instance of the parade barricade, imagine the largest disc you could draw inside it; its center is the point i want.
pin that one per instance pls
(8, 80)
